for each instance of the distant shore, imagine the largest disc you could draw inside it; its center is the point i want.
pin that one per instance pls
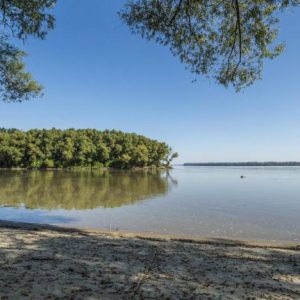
(42, 261)
(244, 164)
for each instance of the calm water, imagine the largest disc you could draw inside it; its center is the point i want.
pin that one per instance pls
(190, 201)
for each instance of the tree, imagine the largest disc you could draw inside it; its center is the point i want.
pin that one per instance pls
(227, 40)
(19, 20)
(171, 156)
(42, 148)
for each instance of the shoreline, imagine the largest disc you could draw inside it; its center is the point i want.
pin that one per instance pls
(50, 262)
(75, 168)
(255, 243)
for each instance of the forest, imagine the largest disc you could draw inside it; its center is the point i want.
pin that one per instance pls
(55, 148)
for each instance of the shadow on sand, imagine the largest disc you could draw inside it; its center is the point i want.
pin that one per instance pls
(43, 262)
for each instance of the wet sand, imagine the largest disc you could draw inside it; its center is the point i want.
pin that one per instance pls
(46, 262)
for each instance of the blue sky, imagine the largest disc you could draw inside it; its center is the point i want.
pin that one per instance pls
(97, 74)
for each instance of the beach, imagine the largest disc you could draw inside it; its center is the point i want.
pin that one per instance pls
(47, 262)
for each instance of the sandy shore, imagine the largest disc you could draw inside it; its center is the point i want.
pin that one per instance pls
(43, 262)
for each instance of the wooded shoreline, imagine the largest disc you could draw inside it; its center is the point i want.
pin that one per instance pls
(81, 148)
(87, 168)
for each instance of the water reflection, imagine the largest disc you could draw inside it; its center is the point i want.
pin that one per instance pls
(80, 189)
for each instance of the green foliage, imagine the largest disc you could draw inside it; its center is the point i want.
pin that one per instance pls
(228, 40)
(21, 19)
(80, 148)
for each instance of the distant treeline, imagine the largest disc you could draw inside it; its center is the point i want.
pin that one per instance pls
(246, 164)
(56, 148)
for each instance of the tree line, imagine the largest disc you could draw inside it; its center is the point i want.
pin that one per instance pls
(55, 148)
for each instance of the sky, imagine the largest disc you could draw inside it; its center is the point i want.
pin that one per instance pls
(97, 74)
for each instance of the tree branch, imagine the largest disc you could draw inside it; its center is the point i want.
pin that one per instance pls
(238, 19)
(178, 7)
(237, 33)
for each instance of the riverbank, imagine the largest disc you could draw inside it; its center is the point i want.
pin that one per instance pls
(45, 262)
(74, 168)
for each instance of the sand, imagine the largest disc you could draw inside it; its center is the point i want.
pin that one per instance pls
(43, 262)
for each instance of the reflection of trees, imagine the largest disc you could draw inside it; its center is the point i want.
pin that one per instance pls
(171, 179)
(79, 190)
